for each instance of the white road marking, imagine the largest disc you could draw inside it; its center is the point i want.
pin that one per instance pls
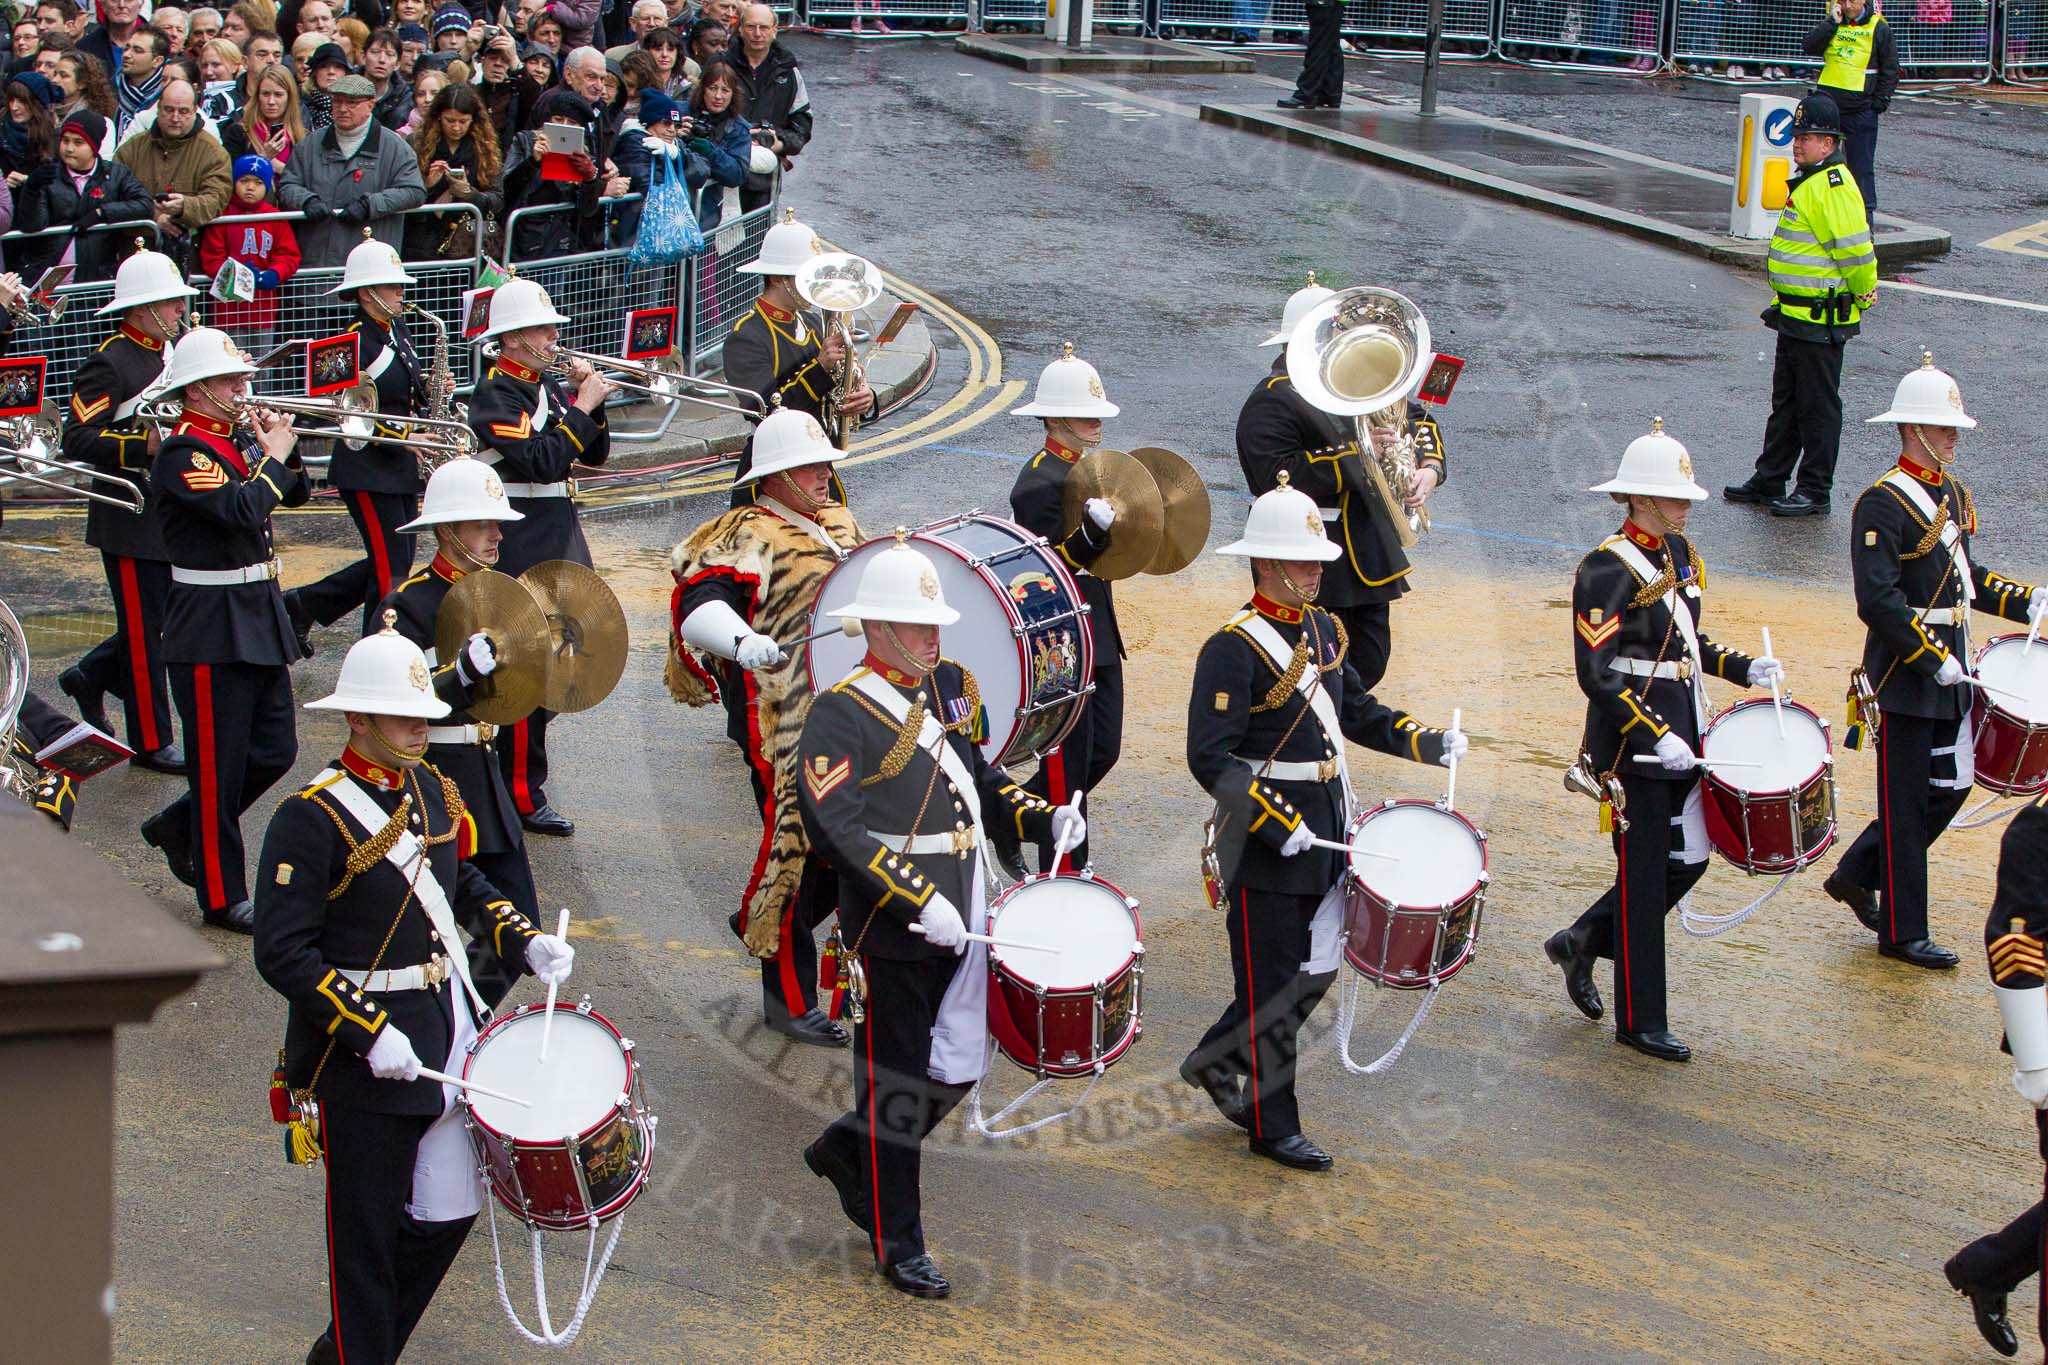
(1912, 288)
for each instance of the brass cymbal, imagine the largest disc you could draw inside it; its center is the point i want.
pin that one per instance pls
(1140, 512)
(1186, 528)
(503, 609)
(586, 633)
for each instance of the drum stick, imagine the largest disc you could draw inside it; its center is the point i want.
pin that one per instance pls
(1353, 848)
(547, 1025)
(1707, 762)
(2033, 634)
(1001, 942)
(1060, 846)
(1970, 681)
(1451, 787)
(1777, 697)
(428, 1074)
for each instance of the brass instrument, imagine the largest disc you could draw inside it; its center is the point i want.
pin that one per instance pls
(26, 446)
(839, 284)
(1360, 354)
(665, 378)
(17, 778)
(441, 406)
(353, 413)
(25, 314)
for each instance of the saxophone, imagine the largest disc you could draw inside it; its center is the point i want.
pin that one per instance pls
(440, 386)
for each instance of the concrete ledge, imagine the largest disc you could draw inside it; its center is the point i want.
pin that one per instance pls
(1108, 53)
(1657, 201)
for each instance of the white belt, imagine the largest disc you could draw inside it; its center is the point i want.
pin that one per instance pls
(461, 734)
(952, 841)
(1940, 616)
(1680, 669)
(423, 977)
(538, 490)
(225, 578)
(1325, 771)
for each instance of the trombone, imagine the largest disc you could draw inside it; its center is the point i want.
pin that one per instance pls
(353, 413)
(25, 445)
(664, 378)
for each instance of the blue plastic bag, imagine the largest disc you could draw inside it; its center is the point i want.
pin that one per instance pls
(668, 226)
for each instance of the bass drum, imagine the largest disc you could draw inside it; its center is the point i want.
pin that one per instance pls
(1020, 630)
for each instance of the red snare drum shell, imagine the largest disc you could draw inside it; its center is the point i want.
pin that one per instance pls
(1066, 1045)
(2010, 753)
(1772, 831)
(1398, 945)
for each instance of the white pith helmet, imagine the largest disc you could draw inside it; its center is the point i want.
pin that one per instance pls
(1069, 387)
(203, 353)
(1927, 397)
(1654, 465)
(784, 248)
(147, 277)
(374, 262)
(521, 303)
(1284, 523)
(787, 439)
(384, 675)
(463, 490)
(1299, 304)
(900, 585)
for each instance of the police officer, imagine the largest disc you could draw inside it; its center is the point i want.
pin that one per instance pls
(904, 805)
(362, 890)
(1279, 430)
(1859, 72)
(1990, 1268)
(780, 349)
(531, 431)
(1641, 658)
(100, 429)
(1071, 404)
(379, 482)
(464, 509)
(1824, 271)
(228, 644)
(1916, 584)
(743, 577)
(1275, 697)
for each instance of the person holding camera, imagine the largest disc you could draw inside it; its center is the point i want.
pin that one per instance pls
(778, 102)
(353, 173)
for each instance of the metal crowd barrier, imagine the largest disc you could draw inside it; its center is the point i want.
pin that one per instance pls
(2024, 53)
(1937, 39)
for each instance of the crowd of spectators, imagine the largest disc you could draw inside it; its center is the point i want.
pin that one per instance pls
(210, 123)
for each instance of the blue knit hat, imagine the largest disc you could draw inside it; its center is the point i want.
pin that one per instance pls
(414, 33)
(258, 166)
(451, 19)
(37, 84)
(656, 107)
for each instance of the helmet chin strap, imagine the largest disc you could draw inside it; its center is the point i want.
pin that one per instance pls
(1657, 515)
(803, 501)
(1305, 594)
(922, 670)
(227, 411)
(166, 331)
(452, 546)
(396, 757)
(1941, 461)
(374, 306)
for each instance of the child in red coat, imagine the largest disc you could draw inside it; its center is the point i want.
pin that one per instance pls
(268, 247)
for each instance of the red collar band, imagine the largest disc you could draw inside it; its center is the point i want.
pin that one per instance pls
(140, 337)
(447, 568)
(1930, 477)
(518, 371)
(1266, 606)
(213, 425)
(368, 770)
(891, 673)
(1053, 447)
(1639, 536)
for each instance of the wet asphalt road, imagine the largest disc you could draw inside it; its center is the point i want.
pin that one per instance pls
(1520, 1189)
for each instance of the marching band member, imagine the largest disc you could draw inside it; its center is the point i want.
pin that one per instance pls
(227, 640)
(1641, 658)
(100, 430)
(1275, 697)
(532, 431)
(362, 888)
(903, 804)
(744, 580)
(1990, 1268)
(465, 509)
(380, 483)
(1915, 587)
(778, 348)
(1278, 429)
(1071, 404)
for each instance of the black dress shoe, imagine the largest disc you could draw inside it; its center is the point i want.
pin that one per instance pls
(1751, 491)
(1663, 1045)
(1294, 102)
(239, 918)
(844, 1178)
(324, 1351)
(918, 1276)
(548, 820)
(811, 1027)
(1293, 1151)
(1859, 899)
(1563, 949)
(1921, 952)
(91, 703)
(173, 839)
(169, 759)
(1988, 1307)
(1799, 505)
(1221, 1090)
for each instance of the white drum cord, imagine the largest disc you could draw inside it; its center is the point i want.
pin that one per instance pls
(1699, 924)
(1347, 1020)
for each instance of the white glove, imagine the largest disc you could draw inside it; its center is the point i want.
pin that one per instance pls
(1674, 755)
(1455, 747)
(1302, 837)
(1068, 827)
(2033, 1086)
(2037, 605)
(1950, 673)
(942, 924)
(2025, 1015)
(479, 659)
(391, 1057)
(757, 651)
(551, 958)
(1765, 671)
(715, 628)
(1100, 513)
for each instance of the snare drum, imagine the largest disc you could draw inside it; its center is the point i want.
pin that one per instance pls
(581, 1151)
(1779, 815)
(2012, 734)
(1020, 630)
(1412, 920)
(1065, 1013)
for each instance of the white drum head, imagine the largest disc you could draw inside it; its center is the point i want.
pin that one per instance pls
(582, 1081)
(1087, 922)
(2002, 667)
(1750, 734)
(981, 640)
(1440, 861)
